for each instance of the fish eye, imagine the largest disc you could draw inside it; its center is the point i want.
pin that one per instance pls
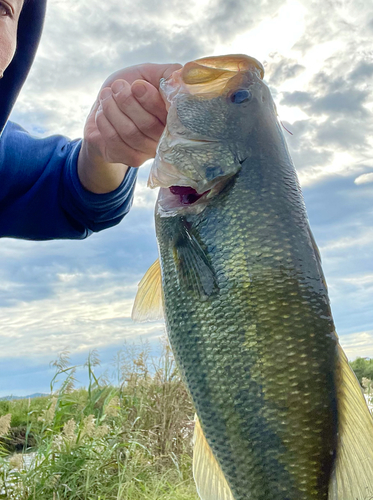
(241, 96)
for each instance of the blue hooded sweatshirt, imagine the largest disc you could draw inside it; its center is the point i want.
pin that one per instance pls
(41, 196)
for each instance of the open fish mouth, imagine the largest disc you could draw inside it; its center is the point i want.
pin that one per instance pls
(176, 199)
(181, 199)
(187, 195)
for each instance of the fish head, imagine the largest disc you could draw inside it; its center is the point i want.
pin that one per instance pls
(214, 105)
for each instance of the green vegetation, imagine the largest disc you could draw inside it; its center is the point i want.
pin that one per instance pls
(132, 441)
(363, 368)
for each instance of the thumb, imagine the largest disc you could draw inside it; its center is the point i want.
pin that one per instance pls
(153, 73)
(170, 69)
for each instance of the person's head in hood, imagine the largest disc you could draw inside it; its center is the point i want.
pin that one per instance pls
(10, 11)
(21, 23)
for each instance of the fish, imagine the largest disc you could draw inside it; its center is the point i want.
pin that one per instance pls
(279, 413)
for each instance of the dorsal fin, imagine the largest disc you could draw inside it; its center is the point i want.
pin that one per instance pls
(353, 476)
(208, 476)
(148, 304)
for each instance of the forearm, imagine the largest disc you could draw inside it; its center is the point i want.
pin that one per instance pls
(42, 196)
(95, 174)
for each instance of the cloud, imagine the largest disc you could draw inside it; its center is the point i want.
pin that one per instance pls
(280, 69)
(357, 343)
(309, 159)
(74, 318)
(364, 179)
(297, 98)
(333, 104)
(362, 71)
(98, 39)
(339, 207)
(344, 133)
(84, 43)
(228, 18)
(318, 60)
(335, 134)
(349, 102)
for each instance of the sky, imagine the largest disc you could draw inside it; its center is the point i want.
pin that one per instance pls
(318, 57)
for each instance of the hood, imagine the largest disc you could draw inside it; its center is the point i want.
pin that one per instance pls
(29, 32)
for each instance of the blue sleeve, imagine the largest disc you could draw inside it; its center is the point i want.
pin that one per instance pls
(41, 197)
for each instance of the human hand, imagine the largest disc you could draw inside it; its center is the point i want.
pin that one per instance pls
(123, 126)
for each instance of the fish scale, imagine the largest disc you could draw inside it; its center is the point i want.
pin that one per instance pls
(266, 327)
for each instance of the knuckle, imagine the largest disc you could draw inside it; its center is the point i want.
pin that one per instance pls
(131, 132)
(124, 101)
(106, 105)
(108, 133)
(112, 136)
(152, 125)
(100, 120)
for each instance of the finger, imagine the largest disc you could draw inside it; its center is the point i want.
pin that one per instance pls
(153, 73)
(150, 99)
(126, 128)
(142, 116)
(149, 72)
(116, 151)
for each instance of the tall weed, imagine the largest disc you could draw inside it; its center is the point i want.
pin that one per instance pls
(128, 441)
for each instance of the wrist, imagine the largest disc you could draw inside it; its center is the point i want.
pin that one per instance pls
(97, 175)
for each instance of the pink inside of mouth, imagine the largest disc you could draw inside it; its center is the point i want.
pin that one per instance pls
(187, 195)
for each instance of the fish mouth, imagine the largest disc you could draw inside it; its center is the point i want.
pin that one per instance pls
(175, 200)
(187, 195)
(182, 200)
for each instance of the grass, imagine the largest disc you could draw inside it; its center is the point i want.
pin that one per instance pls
(129, 441)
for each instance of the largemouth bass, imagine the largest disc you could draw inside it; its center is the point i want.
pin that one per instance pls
(281, 416)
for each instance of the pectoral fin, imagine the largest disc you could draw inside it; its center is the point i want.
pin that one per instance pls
(353, 476)
(192, 264)
(148, 304)
(208, 476)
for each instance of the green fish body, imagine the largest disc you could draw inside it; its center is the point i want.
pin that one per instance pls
(245, 300)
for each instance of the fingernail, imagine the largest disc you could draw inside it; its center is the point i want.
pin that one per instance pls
(117, 86)
(138, 90)
(105, 93)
